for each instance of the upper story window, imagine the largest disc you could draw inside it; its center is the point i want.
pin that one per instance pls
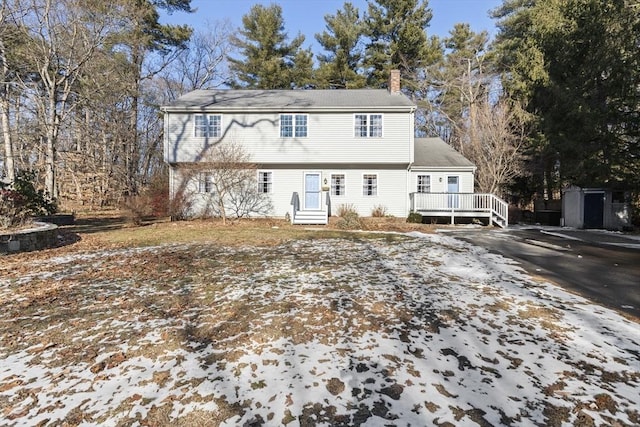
(265, 182)
(424, 184)
(293, 125)
(368, 125)
(337, 185)
(208, 126)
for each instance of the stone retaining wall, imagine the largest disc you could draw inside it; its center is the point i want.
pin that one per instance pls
(41, 236)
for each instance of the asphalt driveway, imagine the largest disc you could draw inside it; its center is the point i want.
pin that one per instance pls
(599, 265)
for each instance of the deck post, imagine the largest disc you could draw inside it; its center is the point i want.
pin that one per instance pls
(453, 216)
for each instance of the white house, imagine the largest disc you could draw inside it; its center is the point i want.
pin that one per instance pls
(319, 149)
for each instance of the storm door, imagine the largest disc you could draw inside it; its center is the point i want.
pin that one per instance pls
(312, 191)
(453, 186)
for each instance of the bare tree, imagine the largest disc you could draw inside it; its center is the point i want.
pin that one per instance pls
(226, 181)
(499, 130)
(203, 64)
(60, 37)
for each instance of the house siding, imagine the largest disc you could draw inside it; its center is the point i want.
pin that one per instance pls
(392, 192)
(439, 180)
(330, 139)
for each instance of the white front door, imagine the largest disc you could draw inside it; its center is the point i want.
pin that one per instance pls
(312, 191)
(453, 186)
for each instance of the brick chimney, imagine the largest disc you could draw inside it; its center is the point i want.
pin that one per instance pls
(394, 81)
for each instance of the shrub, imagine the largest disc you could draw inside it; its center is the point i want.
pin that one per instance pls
(379, 211)
(12, 209)
(36, 202)
(20, 200)
(346, 209)
(136, 208)
(414, 217)
(158, 195)
(181, 205)
(349, 221)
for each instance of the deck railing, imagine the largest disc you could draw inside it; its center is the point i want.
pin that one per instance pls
(457, 203)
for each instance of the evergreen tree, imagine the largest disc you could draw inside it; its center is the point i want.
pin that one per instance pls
(577, 65)
(340, 67)
(268, 61)
(398, 40)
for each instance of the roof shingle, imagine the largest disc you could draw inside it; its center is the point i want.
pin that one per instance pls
(299, 100)
(434, 152)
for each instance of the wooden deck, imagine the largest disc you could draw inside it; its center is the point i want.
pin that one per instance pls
(457, 205)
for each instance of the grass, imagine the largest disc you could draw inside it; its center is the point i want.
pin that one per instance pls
(105, 307)
(115, 230)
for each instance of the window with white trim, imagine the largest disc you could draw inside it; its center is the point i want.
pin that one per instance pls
(265, 182)
(205, 182)
(337, 185)
(293, 125)
(424, 184)
(208, 126)
(367, 125)
(370, 185)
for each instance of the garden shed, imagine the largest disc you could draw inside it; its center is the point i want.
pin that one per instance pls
(595, 208)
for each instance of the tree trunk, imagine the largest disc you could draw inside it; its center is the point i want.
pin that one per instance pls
(50, 141)
(9, 164)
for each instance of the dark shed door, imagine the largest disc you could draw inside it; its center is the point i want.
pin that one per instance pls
(594, 210)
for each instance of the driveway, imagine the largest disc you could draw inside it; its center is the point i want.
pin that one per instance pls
(599, 265)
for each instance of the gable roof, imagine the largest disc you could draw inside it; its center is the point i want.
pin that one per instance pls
(291, 100)
(434, 152)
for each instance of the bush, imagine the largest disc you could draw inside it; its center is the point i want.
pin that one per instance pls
(414, 217)
(181, 206)
(36, 202)
(20, 200)
(349, 221)
(12, 209)
(136, 208)
(346, 209)
(379, 211)
(158, 195)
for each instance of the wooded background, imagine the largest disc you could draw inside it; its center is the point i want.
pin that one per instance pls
(554, 100)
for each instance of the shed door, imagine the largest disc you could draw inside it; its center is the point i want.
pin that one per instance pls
(594, 210)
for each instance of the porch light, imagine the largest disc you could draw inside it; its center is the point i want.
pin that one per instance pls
(325, 181)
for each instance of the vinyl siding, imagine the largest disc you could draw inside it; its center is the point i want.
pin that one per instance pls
(439, 180)
(392, 189)
(330, 139)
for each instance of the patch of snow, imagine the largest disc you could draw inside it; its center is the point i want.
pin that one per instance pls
(418, 331)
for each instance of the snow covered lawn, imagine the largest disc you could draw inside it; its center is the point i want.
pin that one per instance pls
(390, 330)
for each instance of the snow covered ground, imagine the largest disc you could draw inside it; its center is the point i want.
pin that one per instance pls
(393, 330)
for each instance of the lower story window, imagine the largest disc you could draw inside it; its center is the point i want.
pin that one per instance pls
(370, 185)
(265, 182)
(205, 182)
(424, 184)
(337, 185)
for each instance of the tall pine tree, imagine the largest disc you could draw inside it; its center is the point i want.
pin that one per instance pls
(340, 66)
(576, 64)
(268, 61)
(398, 40)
